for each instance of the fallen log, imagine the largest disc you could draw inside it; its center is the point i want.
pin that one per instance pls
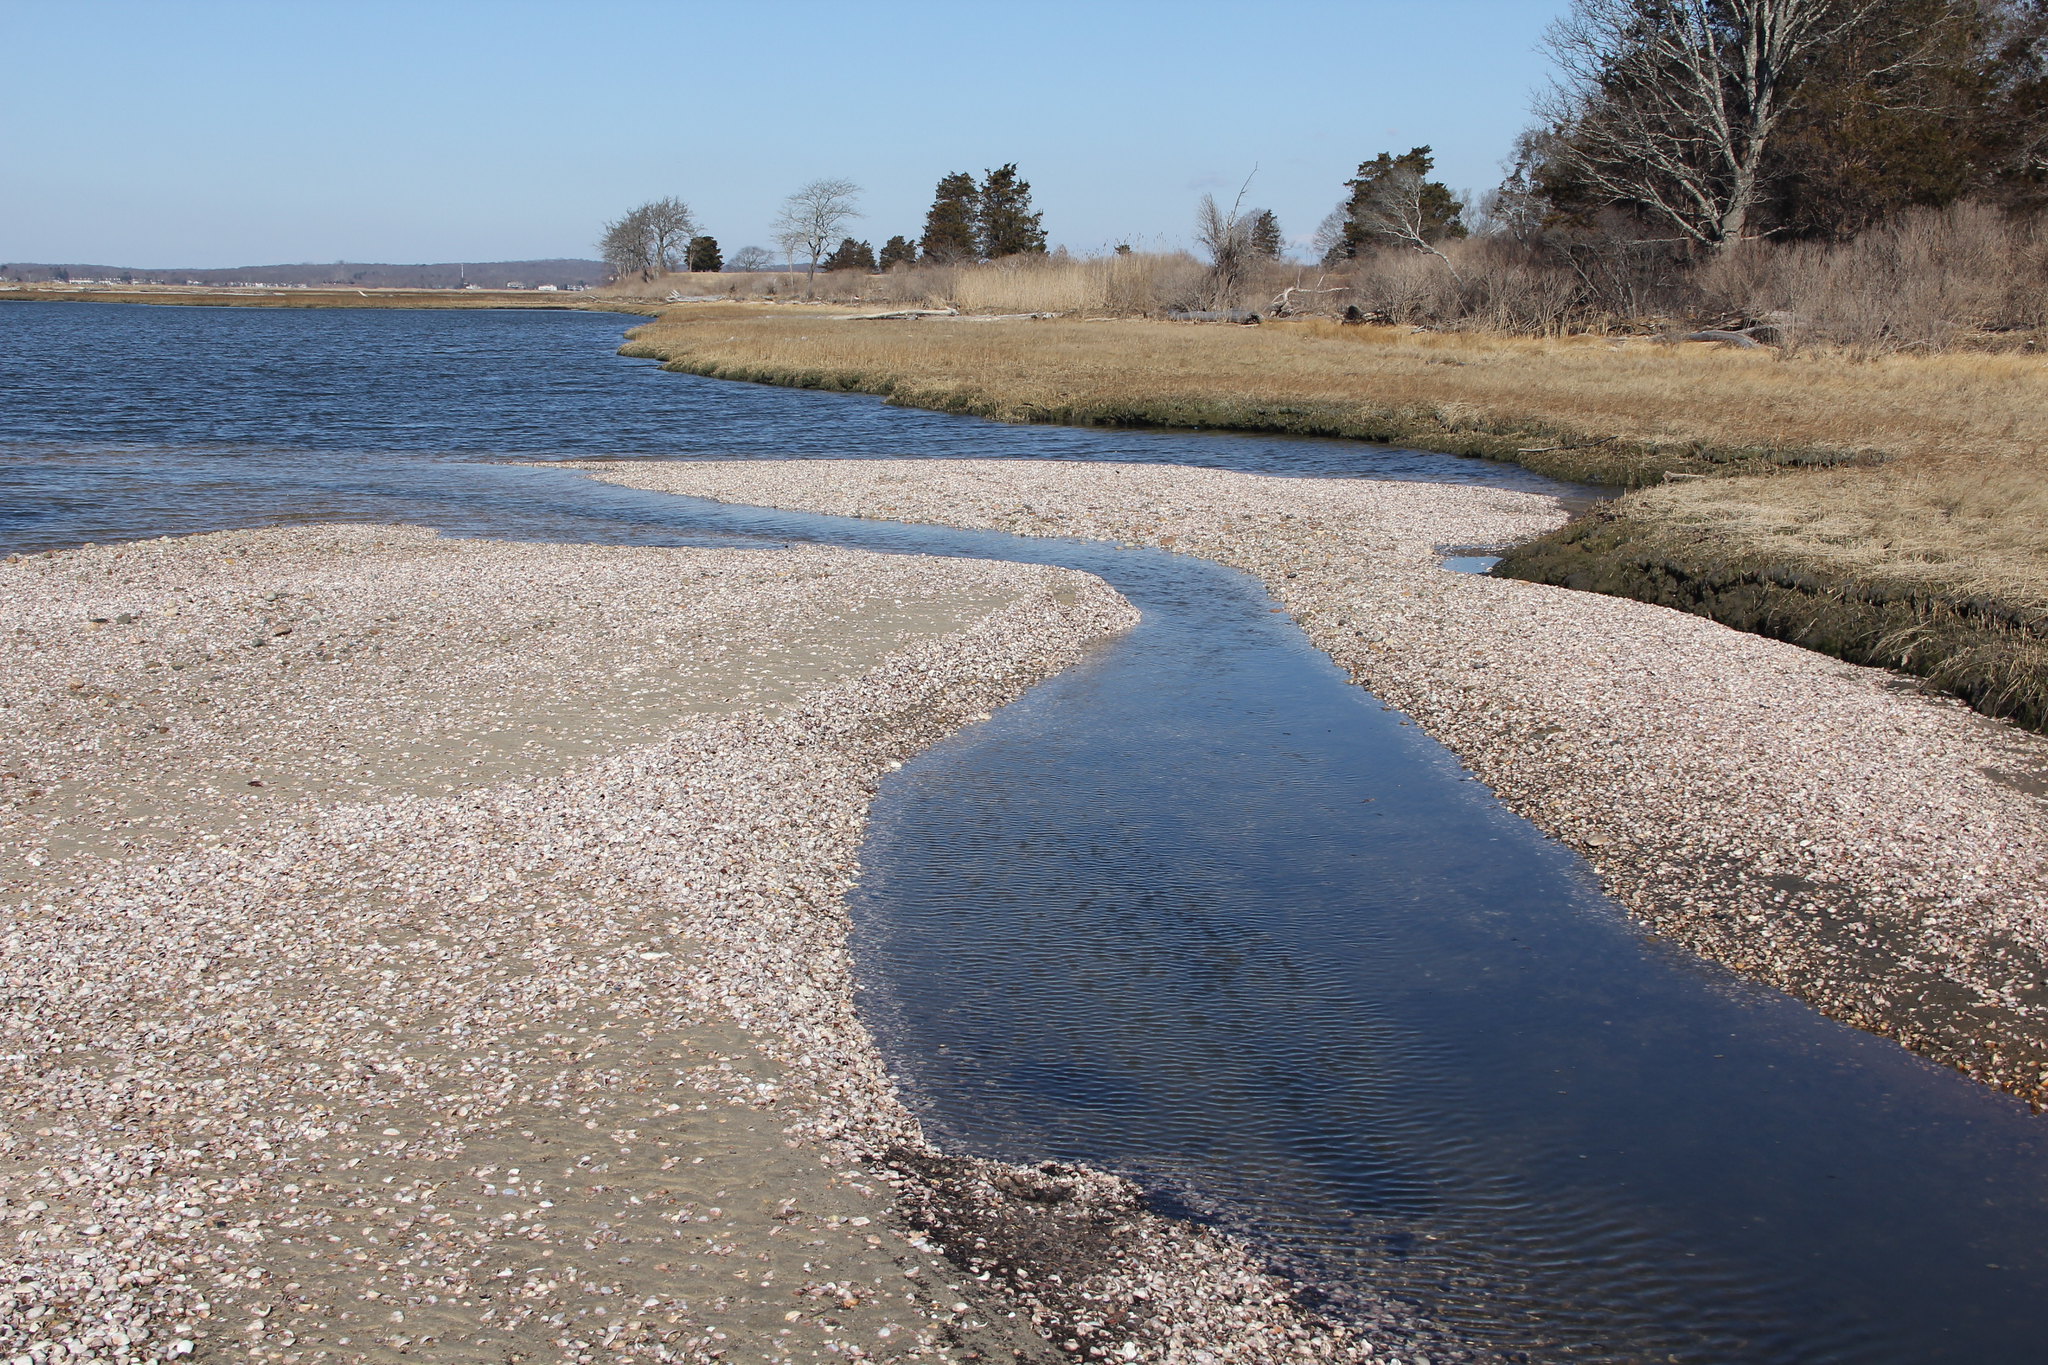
(900, 315)
(1725, 338)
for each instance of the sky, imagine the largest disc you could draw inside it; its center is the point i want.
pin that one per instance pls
(214, 133)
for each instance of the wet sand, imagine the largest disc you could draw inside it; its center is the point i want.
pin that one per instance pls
(424, 949)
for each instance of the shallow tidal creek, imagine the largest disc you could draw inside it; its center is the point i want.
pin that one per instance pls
(1197, 910)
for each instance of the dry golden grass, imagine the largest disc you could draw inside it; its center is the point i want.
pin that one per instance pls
(1667, 398)
(1958, 500)
(1131, 285)
(1959, 527)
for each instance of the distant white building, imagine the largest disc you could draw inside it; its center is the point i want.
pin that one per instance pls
(544, 289)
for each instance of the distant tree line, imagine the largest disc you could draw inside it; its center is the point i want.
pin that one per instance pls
(969, 221)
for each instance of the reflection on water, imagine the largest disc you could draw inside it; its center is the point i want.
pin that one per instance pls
(1197, 909)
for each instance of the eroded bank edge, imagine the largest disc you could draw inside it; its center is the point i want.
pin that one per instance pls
(1989, 653)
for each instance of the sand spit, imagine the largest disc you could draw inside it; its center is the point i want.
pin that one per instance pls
(435, 950)
(1880, 853)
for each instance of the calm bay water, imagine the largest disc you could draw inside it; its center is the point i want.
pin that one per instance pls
(1197, 909)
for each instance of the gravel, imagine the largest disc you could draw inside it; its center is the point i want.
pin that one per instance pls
(1878, 852)
(421, 949)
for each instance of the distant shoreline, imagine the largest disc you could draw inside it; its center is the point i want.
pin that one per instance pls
(245, 296)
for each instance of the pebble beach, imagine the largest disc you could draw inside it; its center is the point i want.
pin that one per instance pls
(435, 949)
(1827, 829)
(428, 949)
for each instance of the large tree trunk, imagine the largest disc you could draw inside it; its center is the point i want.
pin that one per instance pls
(1669, 106)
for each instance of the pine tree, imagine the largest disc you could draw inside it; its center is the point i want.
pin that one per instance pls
(949, 235)
(1007, 225)
(1266, 238)
(851, 255)
(705, 256)
(898, 250)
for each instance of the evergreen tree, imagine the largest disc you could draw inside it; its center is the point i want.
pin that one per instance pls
(705, 256)
(1007, 225)
(1398, 189)
(898, 250)
(1910, 106)
(1266, 240)
(851, 255)
(949, 231)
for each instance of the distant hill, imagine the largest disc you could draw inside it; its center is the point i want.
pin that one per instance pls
(563, 274)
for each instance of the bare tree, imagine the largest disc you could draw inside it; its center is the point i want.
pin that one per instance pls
(670, 226)
(751, 258)
(1231, 239)
(624, 247)
(1329, 240)
(814, 217)
(1670, 105)
(1226, 234)
(1397, 210)
(650, 240)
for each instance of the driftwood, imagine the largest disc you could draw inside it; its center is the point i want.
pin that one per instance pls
(951, 314)
(901, 315)
(1741, 338)
(1282, 304)
(1733, 336)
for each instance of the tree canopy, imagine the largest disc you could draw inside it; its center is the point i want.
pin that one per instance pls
(813, 215)
(1393, 202)
(1711, 122)
(1266, 238)
(649, 240)
(949, 227)
(1006, 224)
(851, 255)
(897, 250)
(705, 256)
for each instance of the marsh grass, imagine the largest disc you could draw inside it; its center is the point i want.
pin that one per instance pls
(1136, 285)
(1891, 509)
(1621, 412)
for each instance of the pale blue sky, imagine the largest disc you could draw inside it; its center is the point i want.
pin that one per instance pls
(214, 133)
